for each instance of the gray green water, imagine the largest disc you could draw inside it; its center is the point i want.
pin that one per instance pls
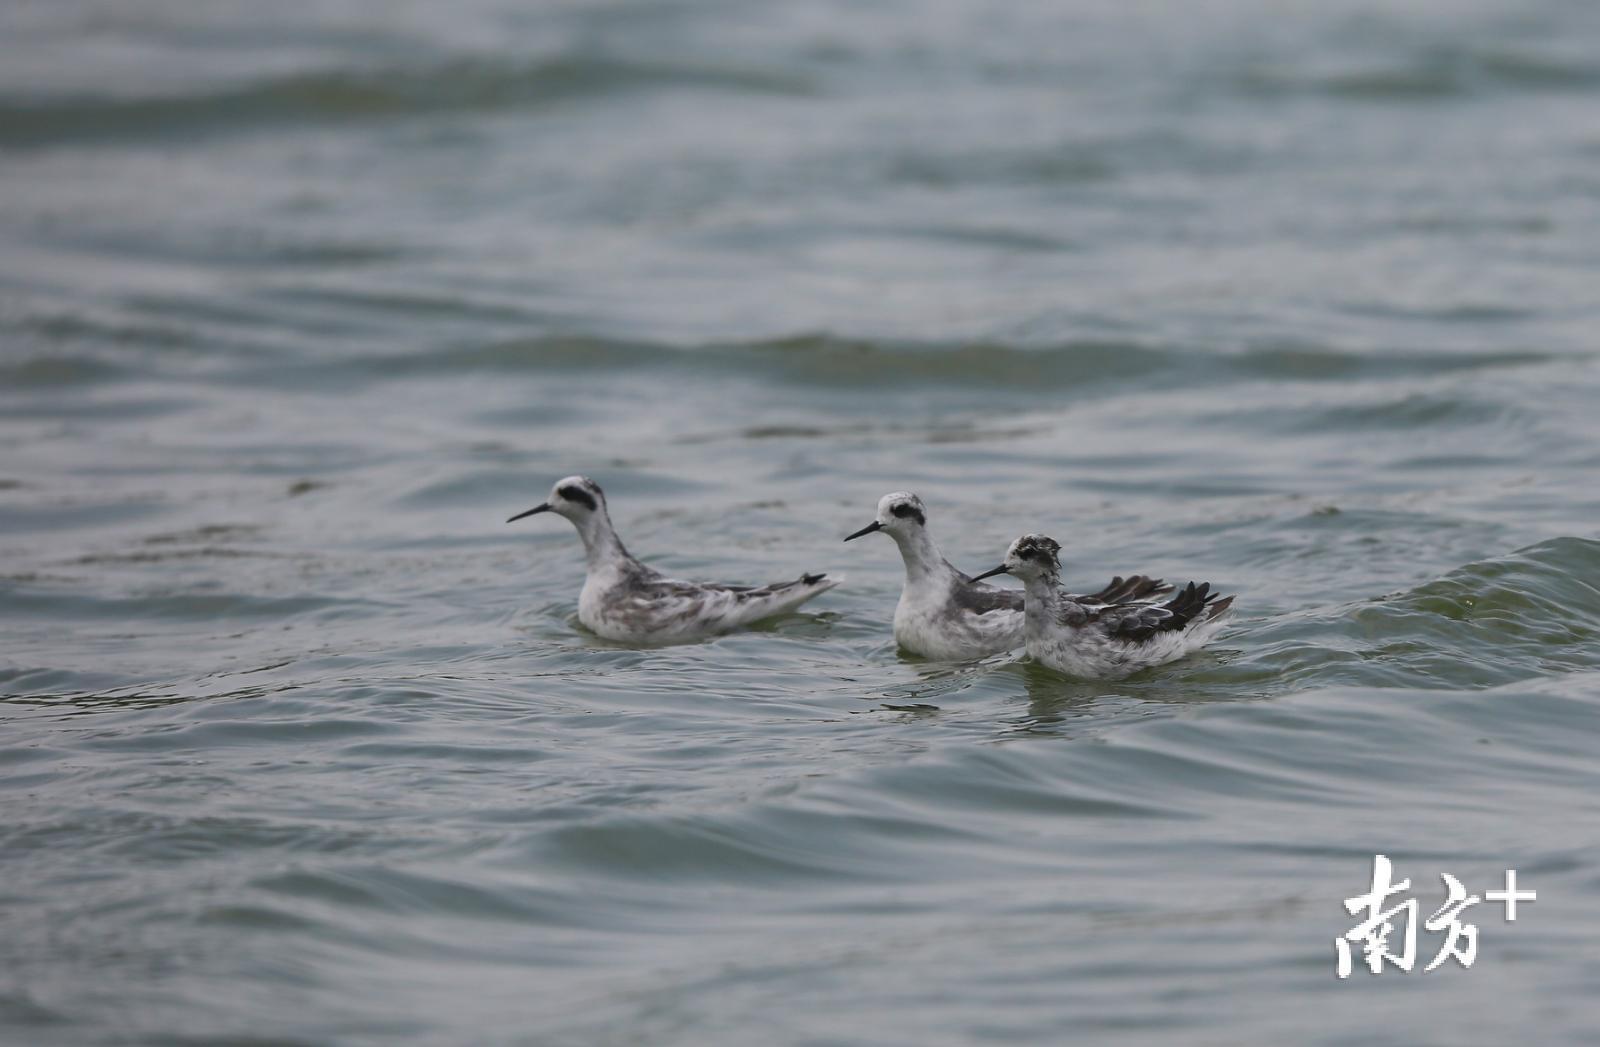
(301, 744)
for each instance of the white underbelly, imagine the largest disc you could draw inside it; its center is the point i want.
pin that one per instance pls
(1091, 655)
(949, 634)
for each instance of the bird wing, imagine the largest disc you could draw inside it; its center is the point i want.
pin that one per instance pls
(676, 602)
(978, 598)
(669, 588)
(1136, 623)
(1135, 589)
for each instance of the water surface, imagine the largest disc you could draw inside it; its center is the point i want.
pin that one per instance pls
(302, 744)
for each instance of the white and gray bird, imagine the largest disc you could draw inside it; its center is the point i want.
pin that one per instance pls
(1106, 642)
(945, 615)
(624, 600)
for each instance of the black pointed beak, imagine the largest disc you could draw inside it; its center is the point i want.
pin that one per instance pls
(873, 526)
(541, 508)
(990, 574)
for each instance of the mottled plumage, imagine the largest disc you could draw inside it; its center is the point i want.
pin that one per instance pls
(625, 600)
(945, 614)
(1108, 641)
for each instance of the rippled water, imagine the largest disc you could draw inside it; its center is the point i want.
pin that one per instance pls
(302, 744)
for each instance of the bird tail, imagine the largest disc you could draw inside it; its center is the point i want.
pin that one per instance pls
(785, 596)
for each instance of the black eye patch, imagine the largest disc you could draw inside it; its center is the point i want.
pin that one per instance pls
(909, 512)
(1042, 552)
(577, 494)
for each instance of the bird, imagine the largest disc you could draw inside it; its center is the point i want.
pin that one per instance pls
(1107, 642)
(945, 615)
(626, 601)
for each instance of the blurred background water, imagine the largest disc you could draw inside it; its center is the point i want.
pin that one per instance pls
(298, 301)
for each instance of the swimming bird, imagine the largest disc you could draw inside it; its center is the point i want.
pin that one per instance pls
(944, 614)
(1106, 642)
(624, 600)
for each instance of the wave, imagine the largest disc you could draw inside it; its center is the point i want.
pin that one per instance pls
(1432, 73)
(339, 96)
(1529, 614)
(833, 361)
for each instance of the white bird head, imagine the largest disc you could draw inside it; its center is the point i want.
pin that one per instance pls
(575, 497)
(898, 514)
(1031, 556)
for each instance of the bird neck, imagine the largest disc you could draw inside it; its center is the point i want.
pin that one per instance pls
(923, 561)
(1042, 595)
(601, 546)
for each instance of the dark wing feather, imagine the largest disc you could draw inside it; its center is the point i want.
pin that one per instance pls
(1137, 623)
(1137, 589)
(981, 599)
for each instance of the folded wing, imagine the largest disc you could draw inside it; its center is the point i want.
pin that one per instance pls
(1137, 623)
(1137, 589)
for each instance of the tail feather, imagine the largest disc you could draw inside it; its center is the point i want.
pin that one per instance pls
(782, 597)
(1197, 603)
